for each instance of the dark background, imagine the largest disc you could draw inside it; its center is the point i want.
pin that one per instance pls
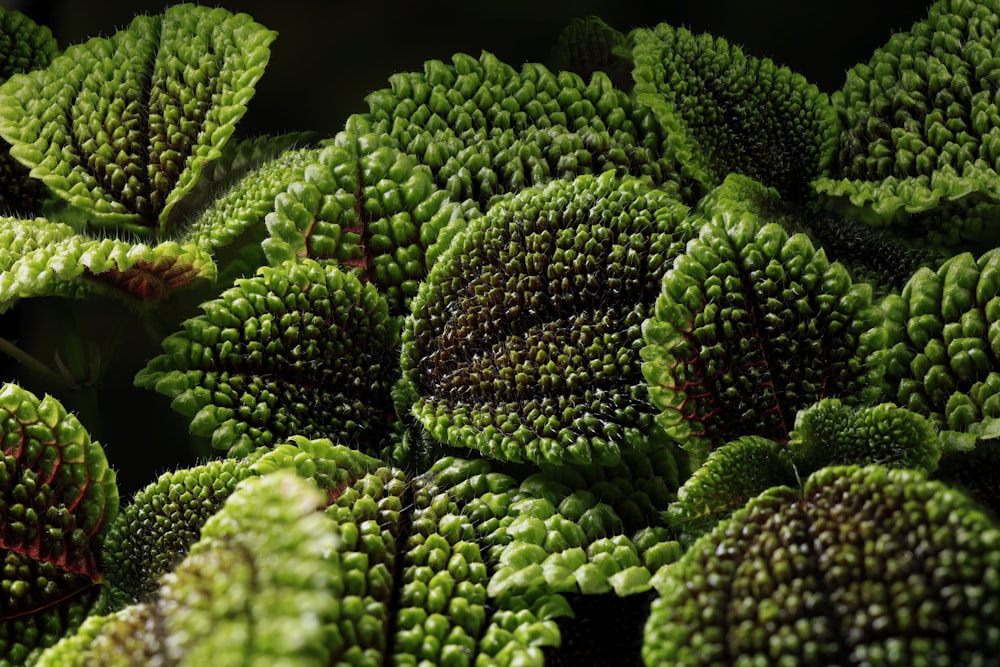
(329, 55)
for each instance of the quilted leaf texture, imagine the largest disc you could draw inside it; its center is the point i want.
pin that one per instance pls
(121, 127)
(920, 144)
(257, 589)
(24, 46)
(487, 130)
(752, 325)
(862, 565)
(747, 115)
(57, 494)
(299, 349)
(366, 207)
(524, 340)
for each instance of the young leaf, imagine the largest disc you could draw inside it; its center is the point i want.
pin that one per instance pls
(730, 476)
(831, 433)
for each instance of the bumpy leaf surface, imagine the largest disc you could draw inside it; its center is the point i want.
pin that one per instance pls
(730, 476)
(937, 347)
(524, 339)
(588, 45)
(57, 494)
(587, 529)
(46, 258)
(299, 349)
(831, 433)
(153, 533)
(366, 207)
(121, 127)
(258, 588)
(24, 46)
(746, 114)
(753, 324)
(871, 254)
(487, 130)
(862, 566)
(921, 128)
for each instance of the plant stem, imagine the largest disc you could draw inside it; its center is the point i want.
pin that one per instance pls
(31, 363)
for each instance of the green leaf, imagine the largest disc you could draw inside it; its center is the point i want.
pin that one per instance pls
(121, 127)
(57, 496)
(154, 531)
(366, 207)
(831, 433)
(523, 342)
(920, 144)
(44, 258)
(487, 130)
(746, 114)
(871, 254)
(752, 325)
(862, 562)
(259, 587)
(24, 46)
(730, 476)
(939, 344)
(299, 349)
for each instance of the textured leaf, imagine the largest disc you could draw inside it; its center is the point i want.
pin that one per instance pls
(256, 589)
(24, 46)
(364, 206)
(746, 114)
(730, 476)
(586, 529)
(24, 638)
(57, 494)
(864, 565)
(938, 345)
(753, 324)
(920, 128)
(487, 130)
(588, 45)
(154, 531)
(524, 339)
(299, 349)
(121, 127)
(44, 258)
(871, 254)
(831, 433)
